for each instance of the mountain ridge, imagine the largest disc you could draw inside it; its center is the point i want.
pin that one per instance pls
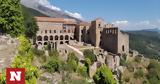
(56, 13)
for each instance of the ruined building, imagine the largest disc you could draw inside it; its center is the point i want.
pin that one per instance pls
(57, 31)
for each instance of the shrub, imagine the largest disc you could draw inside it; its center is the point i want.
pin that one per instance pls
(153, 72)
(82, 70)
(138, 59)
(122, 62)
(139, 73)
(24, 60)
(24, 46)
(104, 75)
(52, 66)
(72, 64)
(89, 54)
(54, 53)
(72, 56)
(2, 78)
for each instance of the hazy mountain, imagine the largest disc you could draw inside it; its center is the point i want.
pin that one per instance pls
(155, 29)
(44, 7)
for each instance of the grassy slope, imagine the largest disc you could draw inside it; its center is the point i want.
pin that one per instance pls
(146, 42)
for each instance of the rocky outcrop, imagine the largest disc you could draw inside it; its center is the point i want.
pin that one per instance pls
(8, 47)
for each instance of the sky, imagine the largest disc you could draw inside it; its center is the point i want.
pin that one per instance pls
(126, 14)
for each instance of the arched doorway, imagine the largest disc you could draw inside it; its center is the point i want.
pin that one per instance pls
(61, 42)
(45, 43)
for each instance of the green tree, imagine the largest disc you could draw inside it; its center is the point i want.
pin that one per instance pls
(11, 19)
(104, 76)
(30, 24)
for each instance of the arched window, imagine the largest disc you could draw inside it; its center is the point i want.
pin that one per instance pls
(39, 38)
(45, 38)
(56, 37)
(51, 37)
(66, 37)
(61, 37)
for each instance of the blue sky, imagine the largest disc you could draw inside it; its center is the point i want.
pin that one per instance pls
(128, 14)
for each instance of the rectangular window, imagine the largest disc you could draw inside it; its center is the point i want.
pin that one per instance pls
(54, 31)
(45, 31)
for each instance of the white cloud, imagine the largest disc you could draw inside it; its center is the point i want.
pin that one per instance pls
(121, 22)
(76, 15)
(127, 25)
(46, 3)
(144, 22)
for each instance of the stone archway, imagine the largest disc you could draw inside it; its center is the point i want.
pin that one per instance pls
(66, 37)
(45, 43)
(45, 38)
(56, 37)
(51, 38)
(61, 37)
(39, 43)
(39, 38)
(61, 42)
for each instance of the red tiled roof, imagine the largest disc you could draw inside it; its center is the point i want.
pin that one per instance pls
(49, 19)
(84, 24)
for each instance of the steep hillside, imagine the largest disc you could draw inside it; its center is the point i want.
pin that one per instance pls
(146, 42)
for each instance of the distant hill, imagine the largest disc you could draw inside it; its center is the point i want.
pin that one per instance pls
(154, 30)
(147, 42)
(32, 12)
